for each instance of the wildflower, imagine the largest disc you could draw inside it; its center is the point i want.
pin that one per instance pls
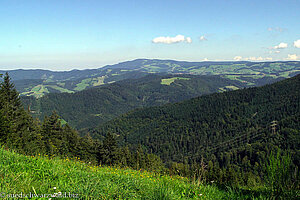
(54, 188)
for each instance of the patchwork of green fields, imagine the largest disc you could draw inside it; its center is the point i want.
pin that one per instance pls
(37, 91)
(245, 72)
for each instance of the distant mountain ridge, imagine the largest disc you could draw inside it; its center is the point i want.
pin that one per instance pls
(90, 107)
(40, 82)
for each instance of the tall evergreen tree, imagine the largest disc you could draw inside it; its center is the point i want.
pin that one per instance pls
(12, 112)
(108, 150)
(52, 133)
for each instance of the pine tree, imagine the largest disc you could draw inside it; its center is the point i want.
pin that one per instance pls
(71, 141)
(108, 150)
(4, 126)
(10, 96)
(52, 133)
(3, 121)
(11, 112)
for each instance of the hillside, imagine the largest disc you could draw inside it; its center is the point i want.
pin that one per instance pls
(88, 108)
(39, 87)
(230, 129)
(40, 82)
(248, 167)
(37, 175)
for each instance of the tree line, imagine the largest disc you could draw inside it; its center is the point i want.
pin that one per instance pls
(178, 139)
(229, 131)
(19, 131)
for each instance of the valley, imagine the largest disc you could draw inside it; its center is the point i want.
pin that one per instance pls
(150, 100)
(88, 108)
(37, 83)
(207, 131)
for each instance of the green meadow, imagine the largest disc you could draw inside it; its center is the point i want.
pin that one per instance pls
(83, 84)
(168, 81)
(48, 177)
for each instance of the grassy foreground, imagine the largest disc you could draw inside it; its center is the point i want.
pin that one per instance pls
(56, 178)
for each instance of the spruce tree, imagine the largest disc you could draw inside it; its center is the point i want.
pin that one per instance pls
(108, 150)
(52, 133)
(11, 110)
(17, 127)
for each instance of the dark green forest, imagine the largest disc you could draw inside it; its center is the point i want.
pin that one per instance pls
(88, 108)
(245, 138)
(233, 132)
(19, 131)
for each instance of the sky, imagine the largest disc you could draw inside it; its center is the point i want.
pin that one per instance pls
(80, 34)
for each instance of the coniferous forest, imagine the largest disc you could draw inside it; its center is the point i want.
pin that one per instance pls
(234, 133)
(88, 108)
(20, 131)
(245, 138)
(150, 100)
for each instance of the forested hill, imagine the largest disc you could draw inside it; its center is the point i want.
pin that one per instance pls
(89, 108)
(229, 129)
(40, 82)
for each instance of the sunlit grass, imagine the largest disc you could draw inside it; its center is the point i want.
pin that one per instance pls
(60, 89)
(83, 84)
(44, 174)
(168, 81)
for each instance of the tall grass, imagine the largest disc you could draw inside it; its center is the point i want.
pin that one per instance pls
(37, 175)
(281, 178)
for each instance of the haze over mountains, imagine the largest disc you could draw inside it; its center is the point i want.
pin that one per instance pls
(166, 121)
(138, 88)
(40, 82)
(88, 108)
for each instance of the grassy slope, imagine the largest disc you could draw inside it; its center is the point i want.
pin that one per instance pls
(254, 74)
(43, 175)
(168, 81)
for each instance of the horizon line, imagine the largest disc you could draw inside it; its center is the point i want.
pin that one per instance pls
(202, 61)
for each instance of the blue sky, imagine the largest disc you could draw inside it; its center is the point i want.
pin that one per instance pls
(68, 34)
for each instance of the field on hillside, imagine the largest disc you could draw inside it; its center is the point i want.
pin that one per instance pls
(45, 177)
(38, 83)
(168, 81)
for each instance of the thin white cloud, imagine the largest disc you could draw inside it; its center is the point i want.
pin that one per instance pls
(270, 52)
(205, 59)
(238, 58)
(282, 45)
(203, 38)
(171, 40)
(260, 58)
(292, 57)
(252, 58)
(297, 43)
(277, 29)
